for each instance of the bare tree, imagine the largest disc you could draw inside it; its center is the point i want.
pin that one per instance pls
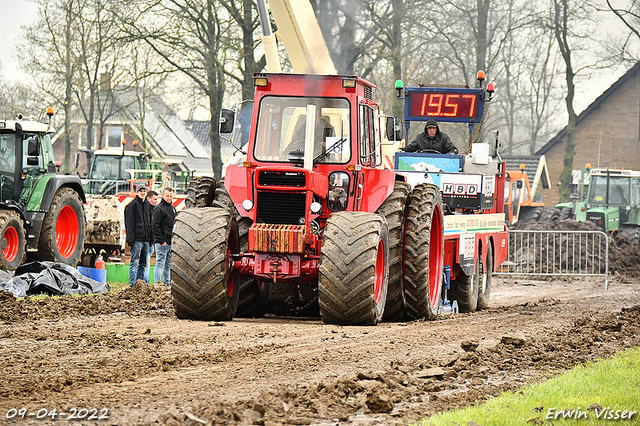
(188, 35)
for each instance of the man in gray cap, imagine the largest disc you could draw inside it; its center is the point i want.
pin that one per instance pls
(137, 225)
(432, 139)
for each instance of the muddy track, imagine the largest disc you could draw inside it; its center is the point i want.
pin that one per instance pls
(129, 354)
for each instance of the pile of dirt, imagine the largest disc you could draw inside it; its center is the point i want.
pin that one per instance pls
(624, 258)
(409, 392)
(140, 298)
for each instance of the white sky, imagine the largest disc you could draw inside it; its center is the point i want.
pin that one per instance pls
(16, 13)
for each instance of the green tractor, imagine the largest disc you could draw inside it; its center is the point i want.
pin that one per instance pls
(613, 202)
(41, 213)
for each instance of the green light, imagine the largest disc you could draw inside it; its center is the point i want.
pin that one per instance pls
(399, 84)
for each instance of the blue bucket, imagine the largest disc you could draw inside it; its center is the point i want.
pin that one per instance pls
(99, 275)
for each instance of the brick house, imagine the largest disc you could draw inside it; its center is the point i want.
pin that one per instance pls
(607, 133)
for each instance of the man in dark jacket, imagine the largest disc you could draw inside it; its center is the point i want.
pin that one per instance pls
(163, 217)
(137, 225)
(433, 139)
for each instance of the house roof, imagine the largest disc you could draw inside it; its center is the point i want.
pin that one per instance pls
(201, 131)
(594, 106)
(534, 165)
(169, 135)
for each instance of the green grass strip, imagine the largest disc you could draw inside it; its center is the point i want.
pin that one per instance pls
(613, 384)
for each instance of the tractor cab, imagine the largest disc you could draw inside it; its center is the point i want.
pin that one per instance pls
(613, 199)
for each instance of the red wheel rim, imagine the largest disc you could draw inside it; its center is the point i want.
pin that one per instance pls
(379, 277)
(67, 230)
(436, 252)
(13, 242)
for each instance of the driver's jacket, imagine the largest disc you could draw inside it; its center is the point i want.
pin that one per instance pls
(440, 142)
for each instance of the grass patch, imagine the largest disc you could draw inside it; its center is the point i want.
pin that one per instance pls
(613, 384)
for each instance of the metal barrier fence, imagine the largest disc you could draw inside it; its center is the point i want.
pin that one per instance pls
(584, 253)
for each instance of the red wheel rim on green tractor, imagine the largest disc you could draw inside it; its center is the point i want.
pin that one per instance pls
(380, 268)
(67, 230)
(13, 241)
(436, 254)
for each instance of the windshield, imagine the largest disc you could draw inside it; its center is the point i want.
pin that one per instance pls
(106, 167)
(282, 129)
(8, 153)
(618, 190)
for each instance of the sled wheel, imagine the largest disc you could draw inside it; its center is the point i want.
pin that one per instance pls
(393, 210)
(354, 269)
(13, 240)
(465, 290)
(423, 252)
(202, 286)
(484, 284)
(200, 192)
(253, 296)
(63, 229)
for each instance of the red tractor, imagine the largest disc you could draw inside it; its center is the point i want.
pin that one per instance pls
(309, 223)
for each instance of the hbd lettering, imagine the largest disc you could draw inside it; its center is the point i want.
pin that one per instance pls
(601, 414)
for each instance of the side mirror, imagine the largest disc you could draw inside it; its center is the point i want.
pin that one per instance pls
(225, 121)
(518, 184)
(32, 161)
(33, 147)
(393, 128)
(76, 161)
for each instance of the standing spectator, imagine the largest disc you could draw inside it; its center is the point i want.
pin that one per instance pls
(137, 225)
(152, 197)
(163, 216)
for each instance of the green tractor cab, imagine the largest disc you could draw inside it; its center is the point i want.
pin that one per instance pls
(41, 213)
(613, 202)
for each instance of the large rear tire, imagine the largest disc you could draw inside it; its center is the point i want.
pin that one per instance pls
(354, 269)
(253, 296)
(393, 209)
(529, 214)
(200, 192)
(424, 252)
(202, 287)
(484, 285)
(549, 214)
(465, 290)
(63, 229)
(13, 242)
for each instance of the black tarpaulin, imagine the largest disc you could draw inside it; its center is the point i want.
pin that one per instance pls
(51, 278)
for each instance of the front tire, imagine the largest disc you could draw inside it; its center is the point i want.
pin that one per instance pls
(465, 290)
(63, 229)
(202, 286)
(424, 252)
(632, 232)
(13, 242)
(354, 269)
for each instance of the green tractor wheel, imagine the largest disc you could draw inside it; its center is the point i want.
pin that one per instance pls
(13, 240)
(63, 230)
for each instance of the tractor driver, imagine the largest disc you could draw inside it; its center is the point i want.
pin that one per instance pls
(324, 129)
(432, 139)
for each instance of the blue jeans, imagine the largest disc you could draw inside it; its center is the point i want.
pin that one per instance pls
(148, 267)
(138, 262)
(163, 264)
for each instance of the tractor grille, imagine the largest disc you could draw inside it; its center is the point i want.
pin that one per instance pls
(282, 179)
(597, 218)
(280, 208)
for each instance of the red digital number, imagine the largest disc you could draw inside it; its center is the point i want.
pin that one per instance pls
(472, 107)
(447, 104)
